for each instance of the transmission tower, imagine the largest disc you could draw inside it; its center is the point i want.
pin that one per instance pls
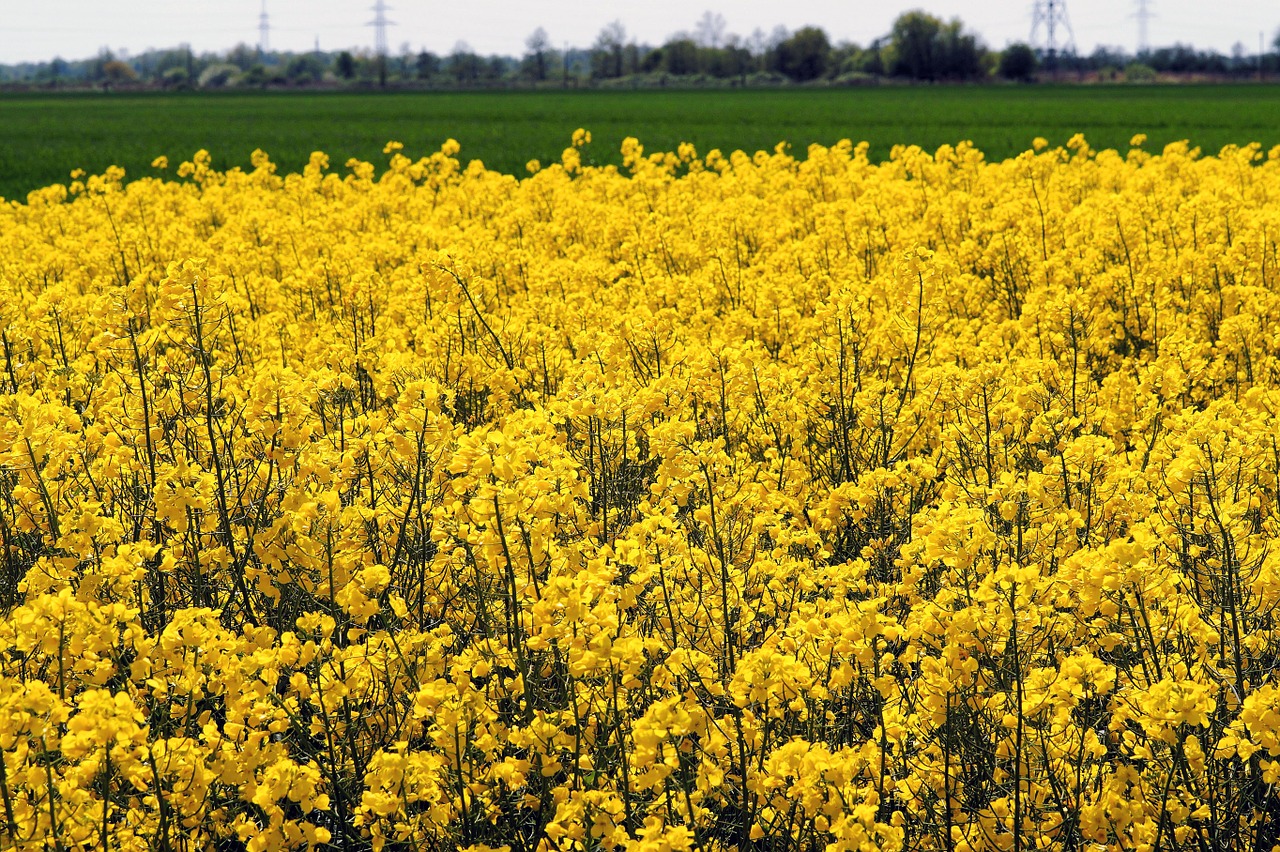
(1144, 16)
(380, 24)
(1052, 16)
(264, 31)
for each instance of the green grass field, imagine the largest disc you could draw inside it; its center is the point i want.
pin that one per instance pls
(43, 137)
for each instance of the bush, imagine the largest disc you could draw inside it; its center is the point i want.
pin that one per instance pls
(1137, 72)
(219, 75)
(1018, 62)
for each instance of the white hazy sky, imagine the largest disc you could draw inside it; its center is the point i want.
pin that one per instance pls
(34, 30)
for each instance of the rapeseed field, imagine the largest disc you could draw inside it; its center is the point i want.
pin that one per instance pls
(713, 501)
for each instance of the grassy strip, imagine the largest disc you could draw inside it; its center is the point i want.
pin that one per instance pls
(43, 137)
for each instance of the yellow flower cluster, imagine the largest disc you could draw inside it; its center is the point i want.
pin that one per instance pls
(710, 502)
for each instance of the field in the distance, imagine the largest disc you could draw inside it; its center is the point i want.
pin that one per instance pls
(43, 137)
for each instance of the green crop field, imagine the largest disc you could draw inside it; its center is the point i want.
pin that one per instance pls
(43, 137)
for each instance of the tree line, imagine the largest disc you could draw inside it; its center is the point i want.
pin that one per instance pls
(919, 47)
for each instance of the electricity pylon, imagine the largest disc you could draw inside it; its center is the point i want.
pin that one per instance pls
(264, 31)
(380, 24)
(1144, 17)
(1052, 16)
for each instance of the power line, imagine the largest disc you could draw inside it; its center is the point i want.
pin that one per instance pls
(1052, 15)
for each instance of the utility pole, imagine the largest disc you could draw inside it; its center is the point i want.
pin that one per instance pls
(1052, 15)
(1144, 17)
(380, 24)
(264, 32)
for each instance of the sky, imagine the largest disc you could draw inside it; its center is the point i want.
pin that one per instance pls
(75, 29)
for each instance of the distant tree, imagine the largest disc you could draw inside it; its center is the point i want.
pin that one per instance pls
(256, 76)
(710, 29)
(189, 56)
(1017, 62)
(573, 64)
(632, 54)
(304, 68)
(925, 48)
(404, 62)
(345, 65)
(914, 39)
(1104, 57)
(806, 55)
(732, 60)
(843, 56)
(1185, 59)
(464, 65)
(680, 57)
(493, 69)
(1239, 58)
(243, 56)
(175, 77)
(1139, 72)
(961, 52)
(218, 75)
(871, 60)
(427, 65)
(115, 72)
(96, 65)
(1214, 62)
(606, 53)
(168, 59)
(538, 45)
